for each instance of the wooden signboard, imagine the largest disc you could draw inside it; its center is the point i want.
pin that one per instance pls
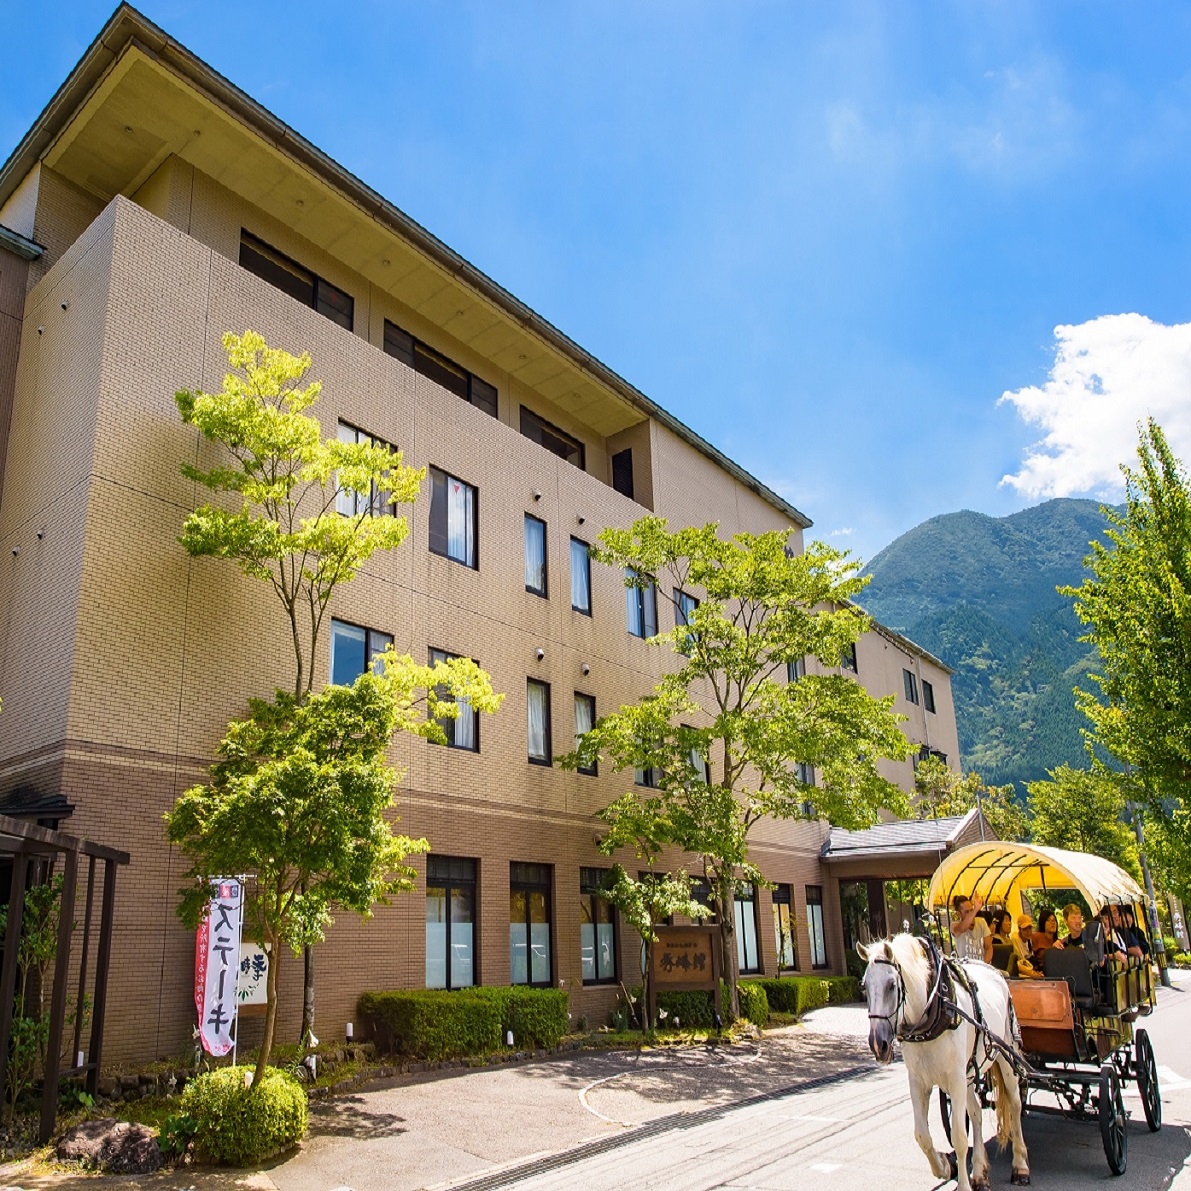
(686, 957)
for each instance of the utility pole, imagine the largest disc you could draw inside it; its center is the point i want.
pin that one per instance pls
(1151, 906)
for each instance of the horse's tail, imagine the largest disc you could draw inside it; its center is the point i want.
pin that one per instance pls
(1004, 1122)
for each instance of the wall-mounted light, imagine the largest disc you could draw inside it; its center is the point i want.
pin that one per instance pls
(65, 305)
(585, 668)
(40, 329)
(15, 551)
(581, 518)
(541, 653)
(537, 495)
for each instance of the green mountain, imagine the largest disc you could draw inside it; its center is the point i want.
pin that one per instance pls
(979, 592)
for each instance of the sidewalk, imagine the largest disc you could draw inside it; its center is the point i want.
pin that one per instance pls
(423, 1131)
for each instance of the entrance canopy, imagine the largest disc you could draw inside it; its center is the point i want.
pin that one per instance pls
(1002, 872)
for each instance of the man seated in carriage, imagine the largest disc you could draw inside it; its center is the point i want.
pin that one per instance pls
(1115, 947)
(972, 935)
(1126, 934)
(1024, 968)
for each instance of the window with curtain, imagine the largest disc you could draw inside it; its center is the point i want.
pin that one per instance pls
(538, 705)
(784, 937)
(353, 648)
(463, 732)
(684, 608)
(535, 555)
(580, 577)
(529, 923)
(641, 604)
(450, 922)
(747, 955)
(585, 717)
(374, 503)
(453, 518)
(795, 670)
(814, 926)
(597, 929)
(698, 760)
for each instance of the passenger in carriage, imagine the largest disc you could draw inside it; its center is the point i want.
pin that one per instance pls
(1002, 928)
(1126, 934)
(973, 939)
(1134, 930)
(1114, 944)
(1046, 935)
(1022, 949)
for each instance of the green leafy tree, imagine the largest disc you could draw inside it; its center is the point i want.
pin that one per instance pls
(1083, 809)
(300, 513)
(1136, 604)
(724, 737)
(940, 792)
(299, 800)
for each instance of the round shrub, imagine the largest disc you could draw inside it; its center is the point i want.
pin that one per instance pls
(240, 1125)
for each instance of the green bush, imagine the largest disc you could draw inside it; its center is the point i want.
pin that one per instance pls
(436, 1024)
(242, 1125)
(431, 1024)
(693, 1008)
(843, 990)
(801, 994)
(754, 1004)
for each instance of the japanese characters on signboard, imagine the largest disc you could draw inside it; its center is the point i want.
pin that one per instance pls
(216, 963)
(684, 957)
(252, 981)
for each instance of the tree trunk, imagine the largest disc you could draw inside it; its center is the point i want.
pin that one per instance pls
(307, 995)
(726, 910)
(262, 1062)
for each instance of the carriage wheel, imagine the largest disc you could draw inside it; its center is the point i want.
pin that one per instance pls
(1112, 1119)
(1147, 1080)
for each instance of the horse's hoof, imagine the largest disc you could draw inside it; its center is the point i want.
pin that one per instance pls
(1020, 1178)
(954, 1164)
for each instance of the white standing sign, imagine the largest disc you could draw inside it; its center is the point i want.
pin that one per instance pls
(216, 962)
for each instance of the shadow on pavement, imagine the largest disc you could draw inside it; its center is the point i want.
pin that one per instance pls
(349, 1116)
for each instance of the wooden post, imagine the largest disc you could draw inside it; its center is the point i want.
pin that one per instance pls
(49, 1095)
(78, 1009)
(8, 978)
(103, 959)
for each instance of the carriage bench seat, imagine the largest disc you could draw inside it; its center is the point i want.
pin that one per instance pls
(1071, 964)
(1046, 1016)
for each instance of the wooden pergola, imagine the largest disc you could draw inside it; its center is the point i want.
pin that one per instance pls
(25, 842)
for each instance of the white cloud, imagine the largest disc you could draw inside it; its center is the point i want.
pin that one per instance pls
(842, 533)
(1109, 374)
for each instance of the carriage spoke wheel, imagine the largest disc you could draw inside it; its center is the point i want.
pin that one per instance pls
(1146, 1071)
(1112, 1119)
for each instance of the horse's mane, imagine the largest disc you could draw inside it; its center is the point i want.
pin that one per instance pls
(911, 958)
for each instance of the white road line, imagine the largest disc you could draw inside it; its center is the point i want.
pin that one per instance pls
(595, 1083)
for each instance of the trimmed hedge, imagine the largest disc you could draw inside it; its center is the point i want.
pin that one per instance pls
(801, 994)
(754, 1003)
(436, 1024)
(243, 1125)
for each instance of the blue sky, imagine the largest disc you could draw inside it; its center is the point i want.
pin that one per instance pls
(829, 238)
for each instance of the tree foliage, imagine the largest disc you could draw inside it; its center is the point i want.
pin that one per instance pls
(726, 738)
(1083, 809)
(299, 799)
(940, 792)
(1136, 605)
(284, 522)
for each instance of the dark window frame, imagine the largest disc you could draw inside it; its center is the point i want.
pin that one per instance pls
(816, 901)
(522, 880)
(443, 534)
(378, 504)
(554, 438)
(323, 296)
(796, 669)
(848, 659)
(587, 575)
(548, 758)
(682, 617)
(622, 472)
(450, 883)
(440, 368)
(750, 899)
(369, 653)
(928, 696)
(590, 884)
(592, 770)
(447, 725)
(544, 590)
(783, 895)
(643, 599)
(910, 685)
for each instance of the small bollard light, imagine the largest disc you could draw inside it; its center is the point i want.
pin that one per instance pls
(349, 1031)
(509, 1038)
(81, 1059)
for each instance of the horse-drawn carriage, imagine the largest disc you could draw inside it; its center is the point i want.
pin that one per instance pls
(1064, 1043)
(1077, 1023)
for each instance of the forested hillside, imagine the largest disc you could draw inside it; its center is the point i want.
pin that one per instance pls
(979, 592)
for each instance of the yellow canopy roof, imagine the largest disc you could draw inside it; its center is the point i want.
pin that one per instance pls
(1001, 871)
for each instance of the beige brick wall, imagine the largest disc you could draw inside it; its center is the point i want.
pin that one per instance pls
(123, 659)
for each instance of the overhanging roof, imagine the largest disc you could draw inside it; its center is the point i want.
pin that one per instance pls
(902, 839)
(137, 97)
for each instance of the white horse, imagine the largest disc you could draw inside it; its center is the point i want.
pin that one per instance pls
(903, 992)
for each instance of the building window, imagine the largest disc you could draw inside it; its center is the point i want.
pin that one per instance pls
(538, 704)
(585, 716)
(925, 752)
(557, 441)
(453, 518)
(848, 659)
(535, 555)
(684, 608)
(806, 773)
(462, 732)
(698, 761)
(450, 922)
(622, 472)
(641, 605)
(784, 936)
(299, 282)
(352, 649)
(745, 904)
(701, 893)
(910, 682)
(529, 923)
(814, 925)
(580, 577)
(796, 670)
(354, 504)
(928, 696)
(597, 929)
(651, 778)
(401, 345)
